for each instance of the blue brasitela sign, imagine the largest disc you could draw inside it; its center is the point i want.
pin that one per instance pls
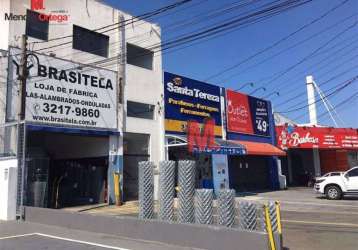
(187, 99)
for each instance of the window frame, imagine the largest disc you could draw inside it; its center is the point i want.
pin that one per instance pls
(76, 43)
(136, 47)
(151, 109)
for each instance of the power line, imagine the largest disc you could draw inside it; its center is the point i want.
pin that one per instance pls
(288, 48)
(341, 106)
(290, 99)
(138, 25)
(133, 20)
(144, 40)
(335, 107)
(327, 63)
(317, 54)
(277, 42)
(325, 82)
(123, 23)
(132, 26)
(267, 12)
(205, 16)
(233, 23)
(284, 72)
(345, 85)
(129, 21)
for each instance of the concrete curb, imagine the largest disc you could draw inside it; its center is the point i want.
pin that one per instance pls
(186, 235)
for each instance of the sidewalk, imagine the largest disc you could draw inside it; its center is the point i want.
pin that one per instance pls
(299, 199)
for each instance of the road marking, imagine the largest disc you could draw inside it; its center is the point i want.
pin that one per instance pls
(81, 242)
(283, 202)
(250, 198)
(318, 212)
(16, 236)
(321, 223)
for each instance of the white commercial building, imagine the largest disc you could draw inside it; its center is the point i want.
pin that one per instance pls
(94, 98)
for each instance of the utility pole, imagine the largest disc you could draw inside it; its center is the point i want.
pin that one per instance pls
(21, 128)
(22, 79)
(313, 121)
(311, 100)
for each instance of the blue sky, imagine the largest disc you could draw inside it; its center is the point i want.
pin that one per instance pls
(331, 66)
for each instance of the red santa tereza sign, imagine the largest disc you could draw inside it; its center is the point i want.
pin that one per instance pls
(316, 137)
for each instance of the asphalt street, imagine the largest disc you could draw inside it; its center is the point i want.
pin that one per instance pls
(309, 222)
(31, 236)
(312, 222)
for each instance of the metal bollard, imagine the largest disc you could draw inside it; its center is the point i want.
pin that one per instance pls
(247, 215)
(186, 176)
(204, 206)
(273, 216)
(146, 189)
(166, 190)
(226, 207)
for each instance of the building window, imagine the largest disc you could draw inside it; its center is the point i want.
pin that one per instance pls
(36, 27)
(140, 110)
(90, 41)
(139, 56)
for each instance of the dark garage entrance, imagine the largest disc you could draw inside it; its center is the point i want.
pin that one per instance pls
(248, 173)
(65, 170)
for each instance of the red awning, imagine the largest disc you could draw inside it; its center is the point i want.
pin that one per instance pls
(258, 148)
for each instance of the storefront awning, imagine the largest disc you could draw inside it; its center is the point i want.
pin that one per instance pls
(259, 148)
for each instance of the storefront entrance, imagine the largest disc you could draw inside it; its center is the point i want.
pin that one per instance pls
(299, 164)
(249, 173)
(302, 166)
(65, 170)
(203, 174)
(136, 149)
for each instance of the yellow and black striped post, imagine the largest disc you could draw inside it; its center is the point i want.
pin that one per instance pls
(279, 225)
(269, 228)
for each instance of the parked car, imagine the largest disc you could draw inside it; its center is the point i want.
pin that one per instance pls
(335, 185)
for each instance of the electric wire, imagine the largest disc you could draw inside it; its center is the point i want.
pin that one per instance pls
(335, 107)
(130, 21)
(217, 29)
(324, 62)
(334, 92)
(300, 94)
(277, 42)
(307, 57)
(287, 49)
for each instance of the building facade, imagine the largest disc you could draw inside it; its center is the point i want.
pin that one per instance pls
(243, 155)
(116, 81)
(337, 150)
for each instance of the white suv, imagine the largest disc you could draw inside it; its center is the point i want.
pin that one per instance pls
(336, 184)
